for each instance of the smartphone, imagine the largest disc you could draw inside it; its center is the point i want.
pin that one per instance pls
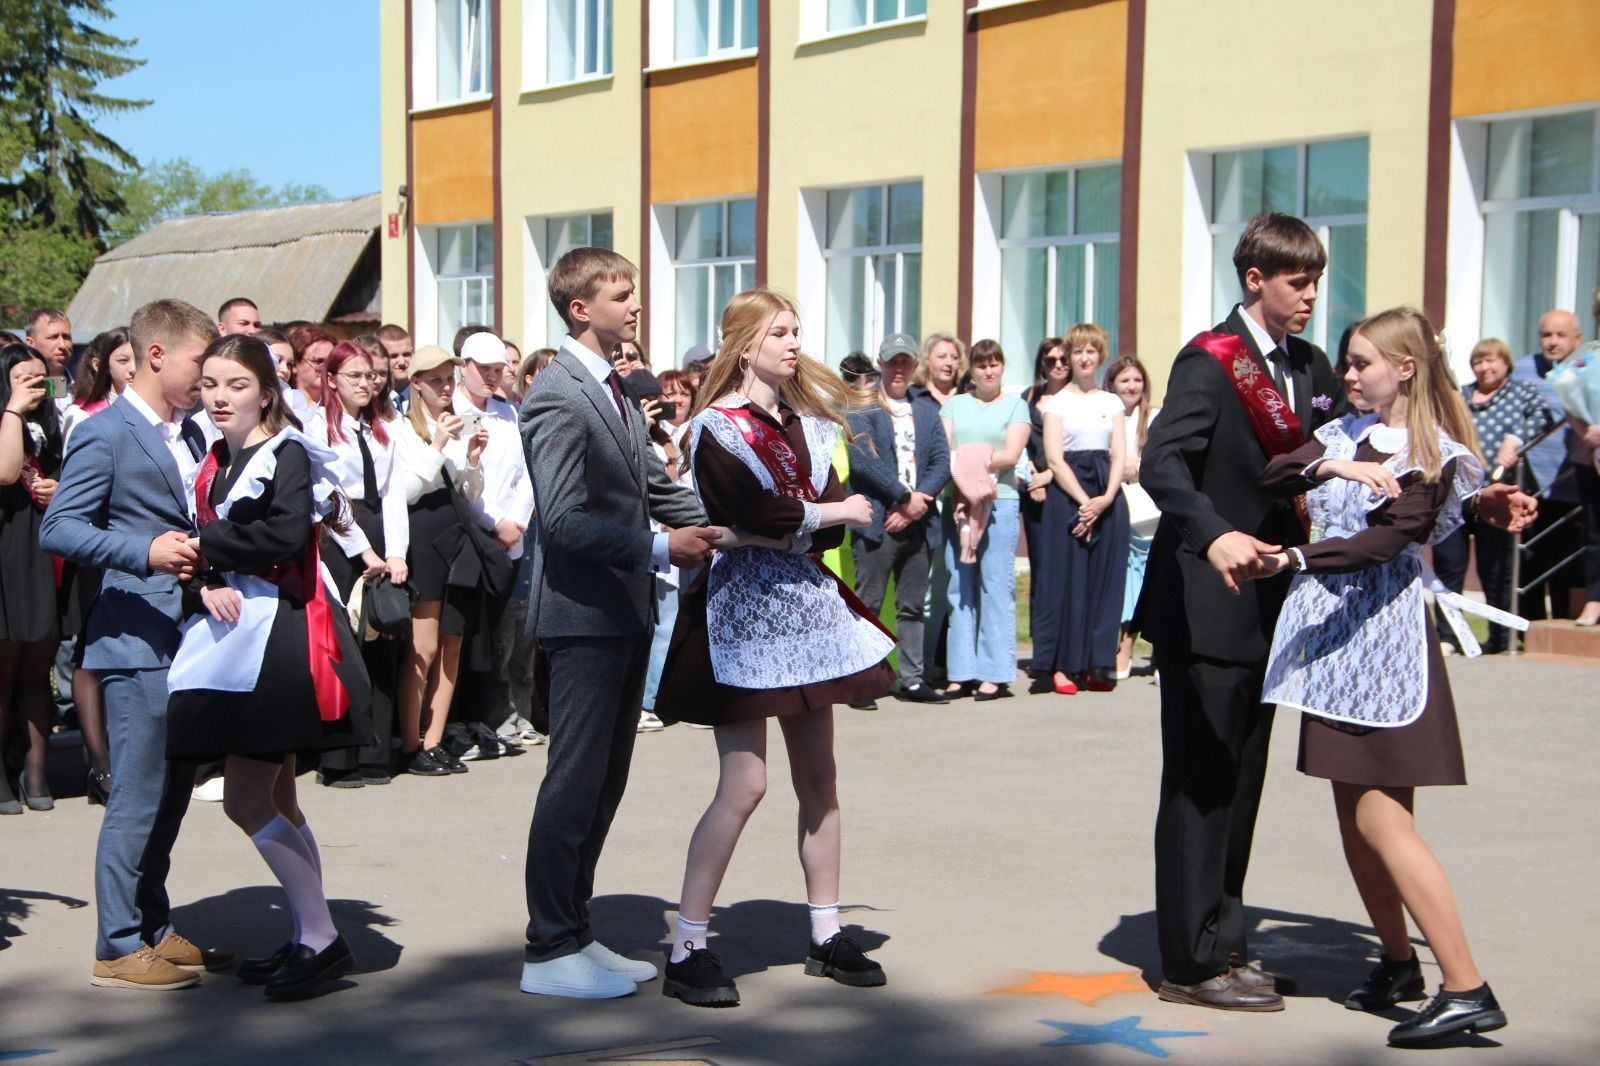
(469, 423)
(667, 412)
(49, 386)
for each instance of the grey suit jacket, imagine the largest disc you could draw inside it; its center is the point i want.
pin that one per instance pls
(596, 485)
(119, 490)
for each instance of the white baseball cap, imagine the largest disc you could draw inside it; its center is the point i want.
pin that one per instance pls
(485, 349)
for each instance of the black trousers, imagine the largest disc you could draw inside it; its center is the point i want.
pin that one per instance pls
(596, 684)
(1214, 736)
(1589, 500)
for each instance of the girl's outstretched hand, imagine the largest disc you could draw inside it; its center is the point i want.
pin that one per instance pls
(222, 603)
(1373, 475)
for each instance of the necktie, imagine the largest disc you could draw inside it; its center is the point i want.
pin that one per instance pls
(369, 473)
(614, 380)
(1276, 359)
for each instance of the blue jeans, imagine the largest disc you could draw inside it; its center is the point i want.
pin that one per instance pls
(142, 817)
(666, 619)
(982, 645)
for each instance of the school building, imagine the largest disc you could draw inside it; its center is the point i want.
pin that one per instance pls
(995, 168)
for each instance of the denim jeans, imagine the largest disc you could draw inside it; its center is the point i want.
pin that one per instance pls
(982, 645)
(666, 619)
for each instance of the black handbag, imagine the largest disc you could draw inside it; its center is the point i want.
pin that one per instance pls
(477, 561)
(387, 607)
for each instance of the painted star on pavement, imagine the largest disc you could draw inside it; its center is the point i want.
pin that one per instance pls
(1124, 1031)
(1086, 988)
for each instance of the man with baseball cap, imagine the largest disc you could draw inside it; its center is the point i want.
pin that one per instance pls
(900, 461)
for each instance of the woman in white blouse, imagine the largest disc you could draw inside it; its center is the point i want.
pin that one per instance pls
(350, 422)
(436, 456)
(1086, 448)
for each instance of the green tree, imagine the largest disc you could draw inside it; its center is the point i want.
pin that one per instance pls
(178, 188)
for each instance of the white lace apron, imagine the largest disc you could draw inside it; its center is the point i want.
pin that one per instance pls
(775, 619)
(1353, 647)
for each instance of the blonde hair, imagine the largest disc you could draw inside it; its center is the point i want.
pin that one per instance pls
(578, 274)
(1434, 402)
(929, 343)
(168, 323)
(1087, 333)
(813, 390)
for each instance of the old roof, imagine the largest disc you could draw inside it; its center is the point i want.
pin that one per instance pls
(292, 261)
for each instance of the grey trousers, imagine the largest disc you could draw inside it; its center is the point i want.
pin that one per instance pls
(142, 817)
(907, 556)
(595, 687)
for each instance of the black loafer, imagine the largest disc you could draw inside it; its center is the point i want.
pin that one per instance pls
(920, 694)
(256, 971)
(1388, 984)
(843, 960)
(307, 972)
(448, 759)
(1001, 693)
(1476, 1011)
(699, 981)
(422, 764)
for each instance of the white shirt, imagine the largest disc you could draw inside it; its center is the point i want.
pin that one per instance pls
(507, 490)
(421, 467)
(346, 469)
(600, 369)
(171, 432)
(905, 441)
(1087, 418)
(1267, 345)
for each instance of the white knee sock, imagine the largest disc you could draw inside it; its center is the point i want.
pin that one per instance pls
(283, 849)
(691, 936)
(824, 921)
(313, 853)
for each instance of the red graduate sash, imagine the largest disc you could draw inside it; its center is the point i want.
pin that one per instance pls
(302, 577)
(774, 452)
(1276, 426)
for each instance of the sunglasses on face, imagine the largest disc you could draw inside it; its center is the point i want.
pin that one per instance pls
(1057, 360)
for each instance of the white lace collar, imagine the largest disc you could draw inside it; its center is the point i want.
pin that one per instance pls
(1385, 438)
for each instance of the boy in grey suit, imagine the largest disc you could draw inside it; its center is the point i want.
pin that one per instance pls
(597, 483)
(125, 505)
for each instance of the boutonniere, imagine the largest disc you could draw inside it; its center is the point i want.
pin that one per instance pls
(1322, 403)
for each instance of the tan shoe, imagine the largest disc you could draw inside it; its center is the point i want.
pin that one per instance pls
(144, 971)
(186, 955)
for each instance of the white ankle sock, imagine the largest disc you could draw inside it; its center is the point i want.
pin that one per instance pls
(824, 921)
(691, 936)
(283, 849)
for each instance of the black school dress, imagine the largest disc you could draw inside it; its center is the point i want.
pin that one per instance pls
(280, 714)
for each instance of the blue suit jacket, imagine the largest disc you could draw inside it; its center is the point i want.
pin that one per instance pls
(875, 474)
(120, 489)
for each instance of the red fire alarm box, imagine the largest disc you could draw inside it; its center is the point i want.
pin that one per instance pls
(394, 224)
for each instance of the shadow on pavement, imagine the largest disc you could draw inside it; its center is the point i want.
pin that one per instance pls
(255, 921)
(16, 906)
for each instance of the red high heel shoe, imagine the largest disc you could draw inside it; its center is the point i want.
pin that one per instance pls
(1066, 688)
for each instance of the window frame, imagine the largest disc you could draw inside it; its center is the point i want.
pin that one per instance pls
(539, 256)
(425, 57)
(744, 266)
(430, 239)
(814, 22)
(664, 35)
(536, 46)
(874, 302)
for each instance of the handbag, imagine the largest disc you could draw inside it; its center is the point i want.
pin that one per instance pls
(476, 559)
(387, 607)
(1143, 514)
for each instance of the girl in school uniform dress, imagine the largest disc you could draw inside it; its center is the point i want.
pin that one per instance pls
(267, 667)
(764, 631)
(350, 423)
(1355, 651)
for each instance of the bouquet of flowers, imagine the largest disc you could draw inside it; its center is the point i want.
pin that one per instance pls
(1577, 383)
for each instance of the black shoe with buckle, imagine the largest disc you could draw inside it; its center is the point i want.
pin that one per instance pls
(1388, 984)
(256, 971)
(1476, 1011)
(698, 980)
(843, 960)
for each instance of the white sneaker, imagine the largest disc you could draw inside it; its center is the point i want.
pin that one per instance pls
(574, 976)
(601, 955)
(209, 792)
(532, 738)
(649, 723)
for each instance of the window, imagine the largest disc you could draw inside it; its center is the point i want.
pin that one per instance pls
(856, 14)
(462, 258)
(707, 27)
(713, 257)
(555, 237)
(873, 264)
(1324, 183)
(452, 52)
(577, 40)
(1059, 255)
(1541, 223)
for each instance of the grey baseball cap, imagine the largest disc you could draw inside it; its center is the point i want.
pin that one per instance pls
(897, 344)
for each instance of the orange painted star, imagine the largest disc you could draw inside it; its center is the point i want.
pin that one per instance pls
(1086, 988)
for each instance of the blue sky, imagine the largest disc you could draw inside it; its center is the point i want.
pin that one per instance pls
(285, 88)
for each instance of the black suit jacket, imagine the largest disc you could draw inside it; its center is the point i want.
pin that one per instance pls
(1203, 465)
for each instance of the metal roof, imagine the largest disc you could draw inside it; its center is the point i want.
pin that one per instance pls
(292, 261)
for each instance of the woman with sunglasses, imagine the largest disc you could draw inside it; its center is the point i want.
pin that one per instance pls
(1052, 369)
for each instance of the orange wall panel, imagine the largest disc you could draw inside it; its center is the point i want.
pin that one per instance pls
(703, 132)
(1051, 82)
(454, 165)
(1515, 54)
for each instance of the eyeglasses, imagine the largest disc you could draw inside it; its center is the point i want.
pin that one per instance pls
(1056, 360)
(358, 376)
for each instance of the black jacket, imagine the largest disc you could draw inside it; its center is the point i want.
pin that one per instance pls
(875, 474)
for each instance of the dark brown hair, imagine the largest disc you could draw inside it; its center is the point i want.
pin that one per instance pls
(93, 383)
(1276, 243)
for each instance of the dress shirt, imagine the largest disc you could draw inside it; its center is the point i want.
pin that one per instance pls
(507, 489)
(171, 432)
(600, 369)
(1268, 347)
(346, 469)
(421, 467)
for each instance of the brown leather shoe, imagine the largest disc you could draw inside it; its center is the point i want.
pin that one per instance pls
(144, 971)
(187, 955)
(1223, 992)
(1253, 976)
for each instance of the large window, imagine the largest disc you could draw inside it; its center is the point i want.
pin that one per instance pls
(577, 40)
(1324, 183)
(855, 14)
(1541, 224)
(1058, 255)
(462, 258)
(703, 28)
(463, 49)
(873, 253)
(713, 257)
(556, 236)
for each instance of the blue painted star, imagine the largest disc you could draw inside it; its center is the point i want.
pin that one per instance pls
(1124, 1031)
(28, 1054)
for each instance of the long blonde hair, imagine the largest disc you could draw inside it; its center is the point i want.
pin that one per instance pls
(1433, 399)
(813, 390)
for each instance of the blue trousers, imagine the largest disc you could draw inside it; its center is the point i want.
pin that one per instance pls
(982, 645)
(666, 619)
(143, 815)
